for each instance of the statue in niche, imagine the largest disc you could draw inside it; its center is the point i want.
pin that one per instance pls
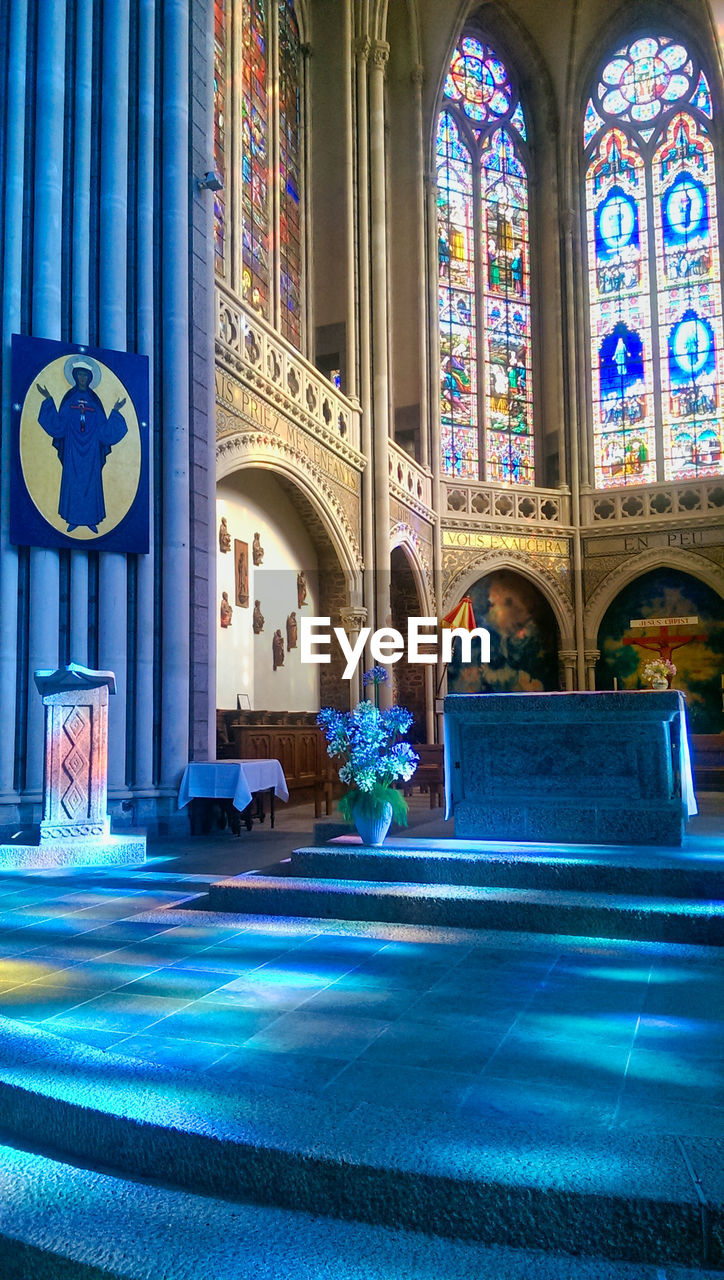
(301, 589)
(226, 610)
(224, 536)
(257, 620)
(292, 631)
(257, 550)
(278, 649)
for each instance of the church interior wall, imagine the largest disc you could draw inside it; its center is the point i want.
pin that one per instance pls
(252, 501)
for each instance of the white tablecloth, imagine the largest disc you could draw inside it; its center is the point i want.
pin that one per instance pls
(231, 780)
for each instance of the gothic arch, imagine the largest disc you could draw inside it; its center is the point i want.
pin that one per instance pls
(659, 558)
(251, 448)
(404, 537)
(481, 566)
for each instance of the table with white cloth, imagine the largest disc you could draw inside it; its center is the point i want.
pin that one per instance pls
(237, 782)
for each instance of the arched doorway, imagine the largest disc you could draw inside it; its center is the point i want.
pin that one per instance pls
(523, 639)
(696, 649)
(275, 564)
(410, 681)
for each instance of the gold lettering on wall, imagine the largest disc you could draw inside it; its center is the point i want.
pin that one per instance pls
(468, 540)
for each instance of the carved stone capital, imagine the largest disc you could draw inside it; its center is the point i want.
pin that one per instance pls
(353, 618)
(380, 54)
(362, 48)
(417, 75)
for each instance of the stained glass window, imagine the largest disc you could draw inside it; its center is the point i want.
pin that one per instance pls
(220, 90)
(255, 223)
(654, 280)
(484, 272)
(290, 222)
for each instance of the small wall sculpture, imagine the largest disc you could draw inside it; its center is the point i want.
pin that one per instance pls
(257, 550)
(225, 610)
(241, 568)
(292, 631)
(257, 620)
(224, 536)
(278, 649)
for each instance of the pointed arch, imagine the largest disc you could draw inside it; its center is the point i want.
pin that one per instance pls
(484, 306)
(654, 277)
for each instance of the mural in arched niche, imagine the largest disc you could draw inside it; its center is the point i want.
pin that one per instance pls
(697, 650)
(523, 639)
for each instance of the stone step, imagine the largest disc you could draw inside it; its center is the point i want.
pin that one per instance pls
(56, 1225)
(597, 915)
(463, 862)
(642, 1199)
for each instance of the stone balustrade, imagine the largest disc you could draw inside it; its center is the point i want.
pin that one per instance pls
(246, 344)
(655, 502)
(507, 505)
(408, 480)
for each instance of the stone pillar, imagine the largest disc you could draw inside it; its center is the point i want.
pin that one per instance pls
(145, 585)
(12, 264)
(112, 569)
(80, 302)
(76, 753)
(175, 179)
(568, 661)
(47, 202)
(354, 618)
(351, 387)
(591, 657)
(418, 80)
(362, 50)
(380, 337)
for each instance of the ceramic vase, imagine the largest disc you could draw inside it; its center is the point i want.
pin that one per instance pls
(372, 829)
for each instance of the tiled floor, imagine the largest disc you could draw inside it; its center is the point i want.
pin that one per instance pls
(593, 1034)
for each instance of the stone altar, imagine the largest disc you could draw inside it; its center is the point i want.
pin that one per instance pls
(587, 768)
(75, 826)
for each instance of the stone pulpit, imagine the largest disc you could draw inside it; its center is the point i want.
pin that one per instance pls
(75, 826)
(579, 768)
(76, 753)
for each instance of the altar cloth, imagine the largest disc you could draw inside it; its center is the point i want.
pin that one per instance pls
(609, 768)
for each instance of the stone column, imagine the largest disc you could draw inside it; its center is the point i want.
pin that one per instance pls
(354, 618)
(175, 179)
(362, 50)
(351, 387)
(80, 300)
(380, 323)
(14, 179)
(112, 570)
(568, 662)
(145, 586)
(591, 657)
(418, 79)
(47, 209)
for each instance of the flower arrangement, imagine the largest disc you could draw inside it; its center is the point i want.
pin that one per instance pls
(370, 743)
(658, 670)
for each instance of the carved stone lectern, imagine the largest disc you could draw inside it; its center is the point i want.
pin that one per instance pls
(76, 752)
(75, 829)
